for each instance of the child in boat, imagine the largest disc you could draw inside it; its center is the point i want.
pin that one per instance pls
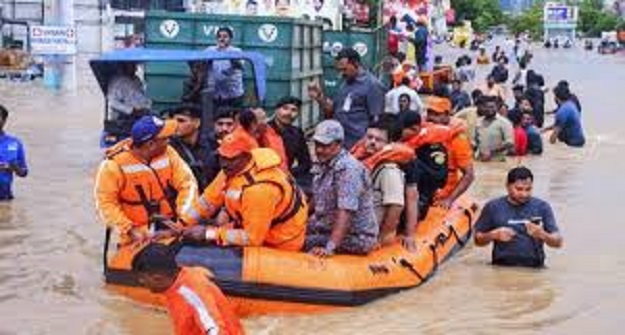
(195, 304)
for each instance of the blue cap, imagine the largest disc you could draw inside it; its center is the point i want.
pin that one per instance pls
(151, 127)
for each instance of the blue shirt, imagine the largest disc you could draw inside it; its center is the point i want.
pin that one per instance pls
(534, 140)
(522, 248)
(11, 152)
(358, 103)
(568, 119)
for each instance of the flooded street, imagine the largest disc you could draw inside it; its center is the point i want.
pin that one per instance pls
(51, 243)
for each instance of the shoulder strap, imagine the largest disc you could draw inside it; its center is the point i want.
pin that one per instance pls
(377, 171)
(296, 199)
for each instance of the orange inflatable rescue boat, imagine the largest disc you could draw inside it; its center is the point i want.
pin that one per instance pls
(261, 280)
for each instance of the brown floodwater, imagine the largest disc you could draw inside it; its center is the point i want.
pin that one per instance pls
(50, 241)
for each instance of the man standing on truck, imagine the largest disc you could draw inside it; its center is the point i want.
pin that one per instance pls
(359, 101)
(225, 77)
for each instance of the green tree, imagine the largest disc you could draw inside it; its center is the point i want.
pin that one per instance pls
(482, 13)
(530, 20)
(593, 19)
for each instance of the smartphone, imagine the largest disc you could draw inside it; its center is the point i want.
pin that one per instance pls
(537, 220)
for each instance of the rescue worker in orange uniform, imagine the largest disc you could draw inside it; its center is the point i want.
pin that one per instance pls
(264, 202)
(384, 161)
(195, 304)
(460, 163)
(143, 178)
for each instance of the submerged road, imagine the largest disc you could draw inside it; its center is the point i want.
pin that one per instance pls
(50, 242)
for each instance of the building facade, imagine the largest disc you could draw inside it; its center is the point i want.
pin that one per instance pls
(89, 16)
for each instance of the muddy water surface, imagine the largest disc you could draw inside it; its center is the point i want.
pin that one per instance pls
(50, 242)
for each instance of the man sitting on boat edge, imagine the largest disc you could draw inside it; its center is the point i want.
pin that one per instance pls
(344, 218)
(142, 178)
(384, 161)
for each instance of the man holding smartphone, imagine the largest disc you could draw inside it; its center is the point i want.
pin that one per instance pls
(12, 158)
(518, 224)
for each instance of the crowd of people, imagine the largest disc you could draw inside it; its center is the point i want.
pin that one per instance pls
(382, 158)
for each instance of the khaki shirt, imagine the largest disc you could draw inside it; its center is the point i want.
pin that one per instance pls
(388, 188)
(493, 134)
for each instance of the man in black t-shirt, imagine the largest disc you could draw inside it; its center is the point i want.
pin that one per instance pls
(297, 151)
(518, 224)
(196, 148)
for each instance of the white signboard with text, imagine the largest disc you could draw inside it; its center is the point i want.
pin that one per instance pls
(53, 40)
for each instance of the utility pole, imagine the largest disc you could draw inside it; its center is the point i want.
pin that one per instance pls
(69, 66)
(60, 70)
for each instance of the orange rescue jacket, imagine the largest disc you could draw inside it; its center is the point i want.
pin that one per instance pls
(460, 156)
(271, 139)
(391, 153)
(430, 133)
(128, 190)
(267, 206)
(197, 306)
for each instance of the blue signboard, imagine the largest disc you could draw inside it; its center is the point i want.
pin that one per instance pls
(556, 14)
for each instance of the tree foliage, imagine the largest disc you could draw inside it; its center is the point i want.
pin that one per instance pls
(530, 21)
(482, 13)
(593, 19)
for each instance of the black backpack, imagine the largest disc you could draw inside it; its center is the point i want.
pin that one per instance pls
(432, 159)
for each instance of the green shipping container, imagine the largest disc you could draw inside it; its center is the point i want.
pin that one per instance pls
(365, 42)
(292, 50)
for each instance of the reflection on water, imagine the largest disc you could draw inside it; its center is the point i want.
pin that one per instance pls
(50, 243)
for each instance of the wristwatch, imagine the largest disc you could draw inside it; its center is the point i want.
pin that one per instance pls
(330, 247)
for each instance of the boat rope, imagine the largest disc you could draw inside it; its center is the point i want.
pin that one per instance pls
(435, 257)
(461, 241)
(441, 239)
(403, 262)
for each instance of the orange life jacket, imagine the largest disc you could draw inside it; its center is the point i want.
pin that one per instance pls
(430, 134)
(457, 127)
(392, 153)
(147, 189)
(271, 139)
(197, 306)
(288, 227)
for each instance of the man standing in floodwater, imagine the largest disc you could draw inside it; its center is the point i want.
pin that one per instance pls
(518, 224)
(12, 158)
(567, 127)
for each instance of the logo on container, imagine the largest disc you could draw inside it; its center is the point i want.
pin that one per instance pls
(336, 48)
(170, 28)
(268, 32)
(361, 48)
